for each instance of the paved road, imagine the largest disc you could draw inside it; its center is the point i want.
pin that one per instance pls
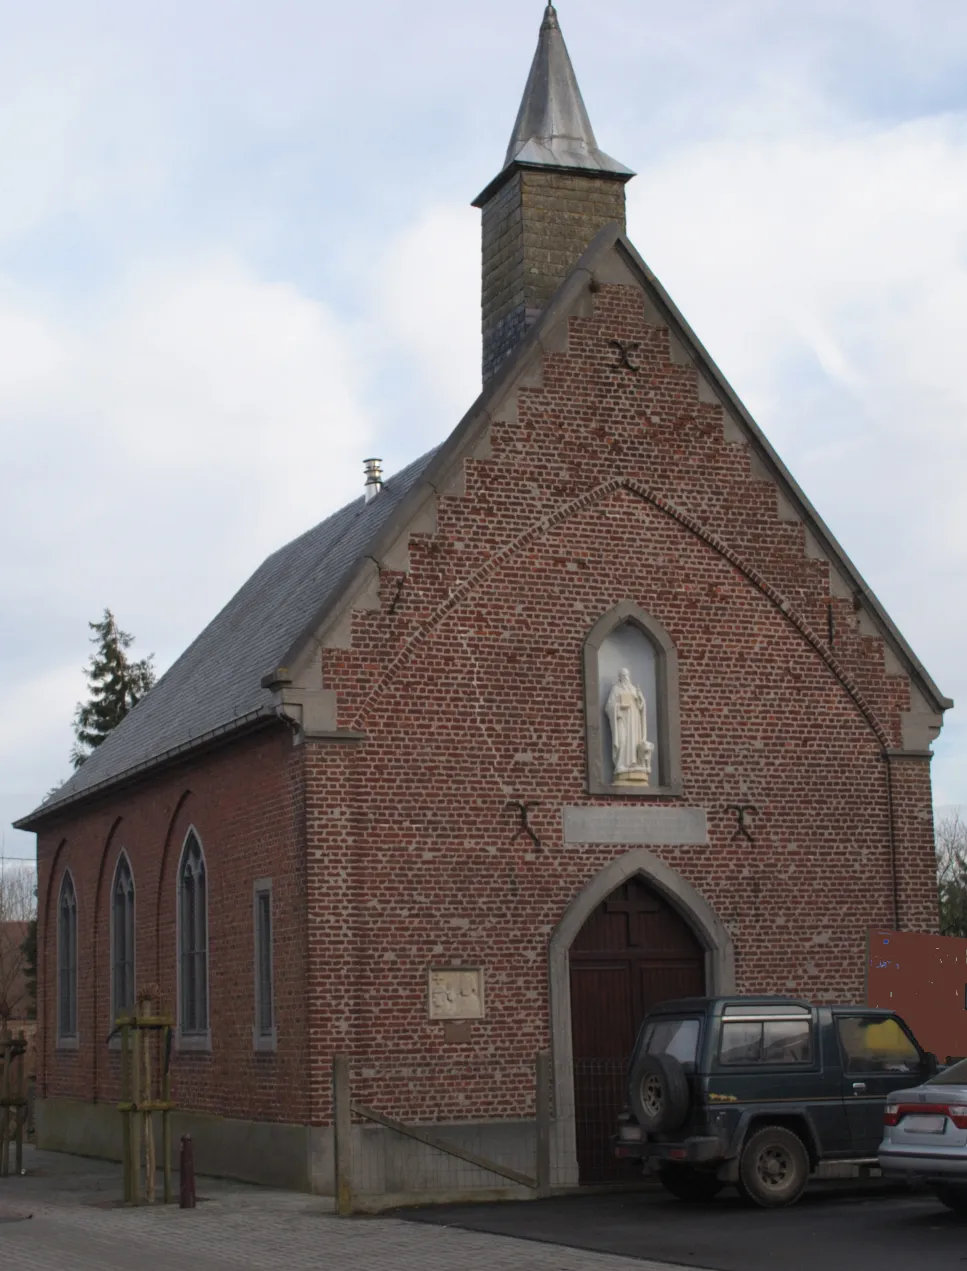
(872, 1228)
(76, 1226)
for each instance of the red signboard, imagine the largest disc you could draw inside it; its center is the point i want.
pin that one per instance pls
(924, 979)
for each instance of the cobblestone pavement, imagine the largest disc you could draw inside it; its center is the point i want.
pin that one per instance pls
(74, 1224)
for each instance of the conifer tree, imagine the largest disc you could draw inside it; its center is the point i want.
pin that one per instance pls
(116, 685)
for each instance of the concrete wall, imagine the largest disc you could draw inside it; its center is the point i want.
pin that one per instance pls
(388, 1169)
(249, 1151)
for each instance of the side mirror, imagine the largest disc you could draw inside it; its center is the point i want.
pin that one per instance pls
(931, 1063)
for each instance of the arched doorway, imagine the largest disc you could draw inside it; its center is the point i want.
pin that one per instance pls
(633, 951)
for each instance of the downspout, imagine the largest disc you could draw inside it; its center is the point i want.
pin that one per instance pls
(892, 828)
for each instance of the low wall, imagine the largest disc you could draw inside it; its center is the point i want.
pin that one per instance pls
(247, 1151)
(388, 1169)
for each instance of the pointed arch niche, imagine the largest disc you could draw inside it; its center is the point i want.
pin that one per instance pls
(627, 637)
(122, 939)
(708, 929)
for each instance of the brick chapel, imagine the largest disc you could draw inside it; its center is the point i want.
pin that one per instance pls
(583, 710)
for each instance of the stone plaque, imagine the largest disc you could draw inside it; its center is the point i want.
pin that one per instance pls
(456, 993)
(637, 827)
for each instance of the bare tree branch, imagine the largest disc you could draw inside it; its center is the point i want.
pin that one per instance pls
(18, 908)
(951, 839)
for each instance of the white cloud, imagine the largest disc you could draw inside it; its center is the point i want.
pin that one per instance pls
(193, 420)
(426, 304)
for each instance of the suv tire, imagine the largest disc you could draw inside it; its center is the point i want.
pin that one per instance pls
(953, 1197)
(688, 1184)
(659, 1093)
(774, 1167)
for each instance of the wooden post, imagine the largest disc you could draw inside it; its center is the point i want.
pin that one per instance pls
(342, 1134)
(6, 1045)
(125, 1115)
(150, 1162)
(133, 1122)
(166, 1114)
(544, 1123)
(22, 1109)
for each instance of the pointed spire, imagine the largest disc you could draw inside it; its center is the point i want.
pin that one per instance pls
(553, 129)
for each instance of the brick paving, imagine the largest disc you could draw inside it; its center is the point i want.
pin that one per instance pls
(74, 1224)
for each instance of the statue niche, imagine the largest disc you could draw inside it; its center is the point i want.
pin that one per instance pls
(631, 706)
(631, 751)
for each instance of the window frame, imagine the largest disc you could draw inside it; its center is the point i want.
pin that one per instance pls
(762, 1017)
(669, 743)
(195, 1039)
(67, 1039)
(651, 1026)
(840, 1016)
(263, 1040)
(123, 861)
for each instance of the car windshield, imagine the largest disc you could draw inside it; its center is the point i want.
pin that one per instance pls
(955, 1075)
(677, 1038)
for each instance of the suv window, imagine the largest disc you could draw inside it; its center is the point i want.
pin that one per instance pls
(876, 1045)
(766, 1041)
(677, 1038)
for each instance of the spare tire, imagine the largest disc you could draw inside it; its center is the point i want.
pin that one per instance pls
(659, 1093)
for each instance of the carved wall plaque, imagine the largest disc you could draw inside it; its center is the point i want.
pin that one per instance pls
(456, 993)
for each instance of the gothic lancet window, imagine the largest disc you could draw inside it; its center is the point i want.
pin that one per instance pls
(67, 962)
(122, 939)
(193, 941)
(631, 705)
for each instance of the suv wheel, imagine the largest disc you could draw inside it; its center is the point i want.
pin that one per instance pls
(774, 1167)
(659, 1093)
(953, 1197)
(688, 1184)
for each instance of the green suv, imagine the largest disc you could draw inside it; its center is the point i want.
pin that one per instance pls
(757, 1091)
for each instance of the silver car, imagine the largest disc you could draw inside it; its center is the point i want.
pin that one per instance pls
(925, 1137)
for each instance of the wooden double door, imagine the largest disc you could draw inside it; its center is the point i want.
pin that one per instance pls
(633, 952)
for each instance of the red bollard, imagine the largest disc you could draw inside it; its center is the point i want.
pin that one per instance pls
(186, 1172)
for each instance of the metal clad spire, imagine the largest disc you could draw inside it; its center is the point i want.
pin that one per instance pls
(553, 128)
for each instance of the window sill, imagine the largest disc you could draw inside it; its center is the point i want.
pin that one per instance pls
(265, 1043)
(674, 791)
(194, 1043)
(68, 1045)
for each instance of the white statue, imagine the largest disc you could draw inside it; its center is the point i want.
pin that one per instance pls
(631, 750)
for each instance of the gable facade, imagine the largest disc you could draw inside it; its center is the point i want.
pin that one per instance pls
(424, 789)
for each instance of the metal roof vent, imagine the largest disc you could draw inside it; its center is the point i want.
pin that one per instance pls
(374, 477)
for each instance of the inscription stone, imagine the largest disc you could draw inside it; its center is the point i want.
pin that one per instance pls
(637, 827)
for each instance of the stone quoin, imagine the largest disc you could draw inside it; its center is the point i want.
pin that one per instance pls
(398, 732)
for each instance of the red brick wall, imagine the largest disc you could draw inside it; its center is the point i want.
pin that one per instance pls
(471, 694)
(246, 804)
(401, 853)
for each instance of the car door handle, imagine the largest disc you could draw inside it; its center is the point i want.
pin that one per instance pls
(859, 1087)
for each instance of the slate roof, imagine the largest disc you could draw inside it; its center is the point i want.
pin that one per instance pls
(215, 686)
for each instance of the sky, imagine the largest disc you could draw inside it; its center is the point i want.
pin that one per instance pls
(238, 256)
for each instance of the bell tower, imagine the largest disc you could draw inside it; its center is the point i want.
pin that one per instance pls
(557, 189)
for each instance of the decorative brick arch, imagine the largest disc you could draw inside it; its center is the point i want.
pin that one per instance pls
(572, 508)
(709, 930)
(96, 937)
(163, 866)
